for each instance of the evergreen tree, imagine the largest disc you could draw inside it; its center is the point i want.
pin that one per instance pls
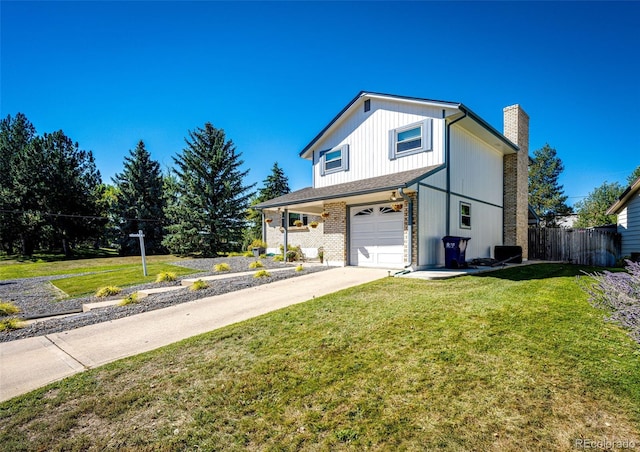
(208, 201)
(592, 210)
(276, 184)
(633, 176)
(70, 189)
(546, 195)
(16, 135)
(140, 202)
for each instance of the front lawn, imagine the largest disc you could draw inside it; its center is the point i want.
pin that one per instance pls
(515, 360)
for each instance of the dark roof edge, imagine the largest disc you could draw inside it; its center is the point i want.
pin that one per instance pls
(365, 93)
(489, 127)
(357, 193)
(622, 199)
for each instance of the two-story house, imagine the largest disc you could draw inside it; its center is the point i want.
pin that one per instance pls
(392, 175)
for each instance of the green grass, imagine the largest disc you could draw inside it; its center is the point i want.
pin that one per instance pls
(126, 276)
(11, 269)
(515, 360)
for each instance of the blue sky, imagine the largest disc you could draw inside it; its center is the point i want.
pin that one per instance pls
(272, 75)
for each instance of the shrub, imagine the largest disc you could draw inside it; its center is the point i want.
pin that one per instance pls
(130, 299)
(257, 243)
(299, 268)
(108, 291)
(256, 264)
(278, 258)
(263, 256)
(262, 274)
(248, 253)
(619, 294)
(7, 308)
(166, 277)
(11, 324)
(198, 285)
(224, 267)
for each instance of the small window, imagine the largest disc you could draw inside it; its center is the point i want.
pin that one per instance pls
(465, 215)
(293, 217)
(367, 105)
(410, 139)
(333, 160)
(364, 212)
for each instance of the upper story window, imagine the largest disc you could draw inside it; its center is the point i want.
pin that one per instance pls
(465, 215)
(333, 160)
(411, 139)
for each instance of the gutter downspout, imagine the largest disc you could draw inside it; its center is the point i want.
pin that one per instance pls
(447, 160)
(409, 226)
(285, 222)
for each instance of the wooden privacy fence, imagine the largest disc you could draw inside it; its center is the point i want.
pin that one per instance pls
(578, 246)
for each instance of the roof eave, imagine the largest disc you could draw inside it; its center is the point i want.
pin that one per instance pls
(624, 197)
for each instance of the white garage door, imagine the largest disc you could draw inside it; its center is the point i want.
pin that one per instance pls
(377, 238)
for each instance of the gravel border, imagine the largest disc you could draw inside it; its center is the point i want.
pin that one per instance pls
(37, 296)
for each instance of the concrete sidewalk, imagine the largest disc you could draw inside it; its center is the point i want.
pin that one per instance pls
(28, 364)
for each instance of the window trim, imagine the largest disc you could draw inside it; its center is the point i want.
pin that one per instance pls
(426, 144)
(293, 216)
(344, 157)
(462, 215)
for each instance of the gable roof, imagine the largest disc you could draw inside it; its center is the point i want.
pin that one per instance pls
(624, 198)
(360, 97)
(393, 181)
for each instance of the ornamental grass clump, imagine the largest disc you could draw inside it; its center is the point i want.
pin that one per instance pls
(130, 299)
(262, 274)
(619, 294)
(299, 268)
(256, 264)
(108, 291)
(11, 323)
(166, 277)
(198, 285)
(7, 308)
(278, 258)
(224, 267)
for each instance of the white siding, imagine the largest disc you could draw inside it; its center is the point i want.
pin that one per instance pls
(629, 226)
(431, 226)
(476, 168)
(367, 134)
(486, 227)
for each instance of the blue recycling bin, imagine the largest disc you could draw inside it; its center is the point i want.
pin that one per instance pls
(454, 251)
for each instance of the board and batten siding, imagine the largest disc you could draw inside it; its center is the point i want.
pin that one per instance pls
(476, 168)
(431, 225)
(629, 226)
(368, 137)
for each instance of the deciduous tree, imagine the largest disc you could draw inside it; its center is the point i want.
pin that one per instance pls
(592, 210)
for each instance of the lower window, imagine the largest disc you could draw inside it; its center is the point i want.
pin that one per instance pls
(465, 215)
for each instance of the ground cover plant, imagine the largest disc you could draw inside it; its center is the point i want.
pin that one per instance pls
(514, 360)
(619, 294)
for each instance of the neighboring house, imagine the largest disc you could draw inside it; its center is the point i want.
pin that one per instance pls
(627, 207)
(394, 174)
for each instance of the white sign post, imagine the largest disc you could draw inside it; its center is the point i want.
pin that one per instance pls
(140, 235)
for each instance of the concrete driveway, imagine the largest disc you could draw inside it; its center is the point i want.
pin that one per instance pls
(28, 364)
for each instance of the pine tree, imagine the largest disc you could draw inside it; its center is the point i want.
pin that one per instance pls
(276, 184)
(16, 135)
(546, 195)
(140, 202)
(208, 204)
(633, 176)
(592, 211)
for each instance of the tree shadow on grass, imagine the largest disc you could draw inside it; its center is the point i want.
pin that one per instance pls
(543, 271)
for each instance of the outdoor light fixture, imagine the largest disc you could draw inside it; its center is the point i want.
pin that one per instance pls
(393, 196)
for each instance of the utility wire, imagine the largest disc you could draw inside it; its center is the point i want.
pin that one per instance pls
(67, 215)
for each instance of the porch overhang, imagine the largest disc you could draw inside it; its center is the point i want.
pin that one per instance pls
(311, 200)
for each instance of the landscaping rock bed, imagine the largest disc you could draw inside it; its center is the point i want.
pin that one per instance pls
(37, 296)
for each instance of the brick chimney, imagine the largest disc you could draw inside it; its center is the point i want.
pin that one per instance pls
(516, 179)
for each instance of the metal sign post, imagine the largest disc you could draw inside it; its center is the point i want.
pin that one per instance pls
(140, 235)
